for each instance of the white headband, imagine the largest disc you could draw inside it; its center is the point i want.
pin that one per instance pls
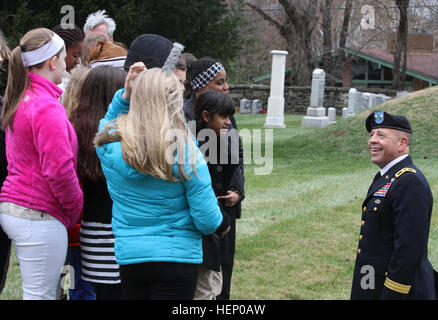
(31, 58)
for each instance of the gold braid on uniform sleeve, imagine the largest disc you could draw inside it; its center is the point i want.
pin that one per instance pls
(398, 287)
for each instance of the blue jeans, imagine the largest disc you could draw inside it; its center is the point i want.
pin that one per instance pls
(83, 290)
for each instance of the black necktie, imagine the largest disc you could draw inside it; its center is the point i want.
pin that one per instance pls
(377, 176)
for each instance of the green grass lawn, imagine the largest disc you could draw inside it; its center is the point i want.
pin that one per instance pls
(298, 234)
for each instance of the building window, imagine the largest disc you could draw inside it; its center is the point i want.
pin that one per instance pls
(358, 69)
(374, 71)
(387, 74)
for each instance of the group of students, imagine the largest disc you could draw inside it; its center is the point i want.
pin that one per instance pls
(108, 175)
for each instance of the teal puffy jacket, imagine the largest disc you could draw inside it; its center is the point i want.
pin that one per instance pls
(154, 219)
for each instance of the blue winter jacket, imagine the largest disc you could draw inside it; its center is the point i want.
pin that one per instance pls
(154, 219)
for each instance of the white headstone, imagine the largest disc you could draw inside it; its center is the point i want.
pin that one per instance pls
(386, 98)
(331, 112)
(379, 99)
(358, 102)
(351, 100)
(401, 94)
(344, 113)
(366, 100)
(256, 106)
(245, 106)
(318, 87)
(315, 115)
(372, 102)
(275, 115)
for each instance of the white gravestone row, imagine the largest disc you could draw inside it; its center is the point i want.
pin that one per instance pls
(316, 113)
(359, 101)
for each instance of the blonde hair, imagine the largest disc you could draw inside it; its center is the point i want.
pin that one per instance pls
(153, 124)
(18, 79)
(70, 97)
(4, 49)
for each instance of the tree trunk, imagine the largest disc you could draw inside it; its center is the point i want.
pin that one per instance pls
(327, 47)
(340, 56)
(303, 22)
(405, 43)
(297, 29)
(401, 44)
(396, 66)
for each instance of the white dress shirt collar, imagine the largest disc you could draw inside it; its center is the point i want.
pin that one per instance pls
(392, 163)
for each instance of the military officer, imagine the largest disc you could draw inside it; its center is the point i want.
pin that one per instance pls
(392, 261)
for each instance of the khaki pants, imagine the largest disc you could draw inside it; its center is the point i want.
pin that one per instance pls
(209, 284)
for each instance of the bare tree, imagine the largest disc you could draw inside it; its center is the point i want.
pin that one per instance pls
(300, 21)
(297, 29)
(339, 65)
(327, 44)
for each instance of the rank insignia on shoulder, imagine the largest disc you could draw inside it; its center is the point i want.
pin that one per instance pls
(404, 170)
(383, 190)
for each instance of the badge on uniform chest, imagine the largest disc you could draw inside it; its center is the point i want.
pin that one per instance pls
(383, 190)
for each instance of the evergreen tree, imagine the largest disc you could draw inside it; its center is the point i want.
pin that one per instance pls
(204, 27)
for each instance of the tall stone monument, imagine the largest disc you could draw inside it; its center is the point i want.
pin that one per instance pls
(316, 115)
(275, 115)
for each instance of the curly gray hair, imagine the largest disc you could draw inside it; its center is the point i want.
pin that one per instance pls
(98, 18)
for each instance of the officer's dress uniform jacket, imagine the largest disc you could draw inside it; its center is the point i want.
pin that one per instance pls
(393, 237)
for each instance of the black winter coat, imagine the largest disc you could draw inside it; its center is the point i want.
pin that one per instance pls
(223, 178)
(237, 180)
